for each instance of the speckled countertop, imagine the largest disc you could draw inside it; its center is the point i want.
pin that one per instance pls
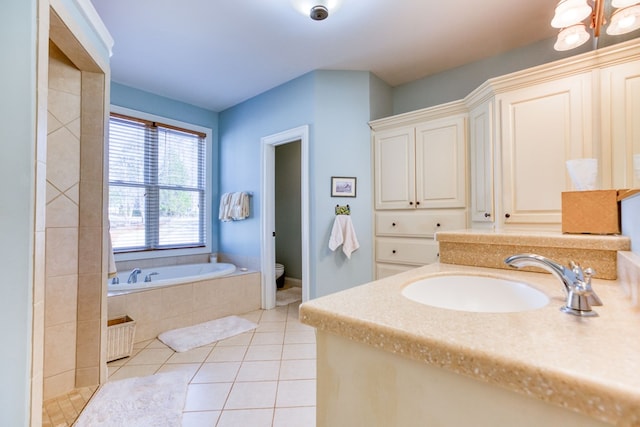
(589, 365)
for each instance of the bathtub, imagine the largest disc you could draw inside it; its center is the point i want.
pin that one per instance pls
(202, 292)
(171, 275)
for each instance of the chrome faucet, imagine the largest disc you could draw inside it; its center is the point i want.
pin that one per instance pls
(576, 281)
(147, 278)
(133, 277)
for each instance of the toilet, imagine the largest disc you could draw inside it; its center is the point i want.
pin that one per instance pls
(279, 275)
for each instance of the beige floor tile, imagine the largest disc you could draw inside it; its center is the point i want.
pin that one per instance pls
(264, 352)
(278, 314)
(196, 355)
(259, 371)
(142, 344)
(295, 326)
(253, 316)
(156, 343)
(242, 339)
(247, 417)
(150, 356)
(298, 351)
(300, 337)
(200, 419)
(265, 338)
(227, 354)
(295, 417)
(189, 369)
(130, 371)
(298, 369)
(296, 393)
(271, 327)
(253, 395)
(206, 397)
(218, 372)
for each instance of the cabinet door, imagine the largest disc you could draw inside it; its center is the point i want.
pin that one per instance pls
(394, 169)
(621, 124)
(481, 138)
(440, 163)
(542, 127)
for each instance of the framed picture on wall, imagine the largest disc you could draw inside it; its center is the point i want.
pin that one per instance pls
(342, 186)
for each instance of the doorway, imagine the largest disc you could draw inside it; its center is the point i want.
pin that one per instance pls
(268, 257)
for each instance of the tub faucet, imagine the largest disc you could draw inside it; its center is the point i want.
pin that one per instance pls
(133, 277)
(147, 278)
(576, 281)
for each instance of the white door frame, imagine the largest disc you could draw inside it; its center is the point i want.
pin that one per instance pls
(267, 259)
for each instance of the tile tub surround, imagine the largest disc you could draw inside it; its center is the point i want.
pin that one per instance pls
(587, 365)
(162, 309)
(489, 249)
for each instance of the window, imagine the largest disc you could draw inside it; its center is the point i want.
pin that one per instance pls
(157, 186)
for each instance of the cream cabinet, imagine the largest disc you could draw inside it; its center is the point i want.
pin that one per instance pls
(419, 185)
(542, 126)
(620, 129)
(421, 166)
(481, 137)
(520, 140)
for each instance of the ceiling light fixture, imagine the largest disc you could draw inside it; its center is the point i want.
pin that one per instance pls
(317, 10)
(569, 15)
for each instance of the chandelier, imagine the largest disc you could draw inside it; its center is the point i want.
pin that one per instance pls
(570, 16)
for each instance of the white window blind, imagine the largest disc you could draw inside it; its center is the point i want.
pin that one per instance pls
(157, 186)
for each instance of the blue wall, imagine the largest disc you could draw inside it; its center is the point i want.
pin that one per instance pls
(336, 106)
(128, 97)
(17, 173)
(457, 83)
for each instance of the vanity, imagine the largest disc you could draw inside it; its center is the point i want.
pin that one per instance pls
(387, 360)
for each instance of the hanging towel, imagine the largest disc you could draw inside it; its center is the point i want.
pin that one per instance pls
(239, 206)
(224, 213)
(343, 234)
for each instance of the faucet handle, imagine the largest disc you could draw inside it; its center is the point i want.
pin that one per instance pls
(593, 298)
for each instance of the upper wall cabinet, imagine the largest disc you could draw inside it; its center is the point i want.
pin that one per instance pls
(524, 126)
(421, 166)
(481, 137)
(542, 126)
(620, 103)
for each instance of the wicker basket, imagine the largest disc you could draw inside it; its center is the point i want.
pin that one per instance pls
(120, 333)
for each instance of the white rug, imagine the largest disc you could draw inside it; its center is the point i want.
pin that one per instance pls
(287, 296)
(184, 339)
(156, 400)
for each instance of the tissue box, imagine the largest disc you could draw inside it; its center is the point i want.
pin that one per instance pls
(592, 212)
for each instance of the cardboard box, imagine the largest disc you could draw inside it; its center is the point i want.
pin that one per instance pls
(593, 212)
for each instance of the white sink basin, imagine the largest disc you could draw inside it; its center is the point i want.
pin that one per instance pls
(475, 293)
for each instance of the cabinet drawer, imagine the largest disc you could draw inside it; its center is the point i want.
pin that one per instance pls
(418, 224)
(406, 251)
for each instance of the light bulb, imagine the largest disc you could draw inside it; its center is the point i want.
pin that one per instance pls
(570, 12)
(624, 20)
(571, 37)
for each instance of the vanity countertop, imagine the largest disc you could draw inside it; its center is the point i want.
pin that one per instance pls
(589, 365)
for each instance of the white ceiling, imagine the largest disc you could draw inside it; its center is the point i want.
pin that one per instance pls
(218, 53)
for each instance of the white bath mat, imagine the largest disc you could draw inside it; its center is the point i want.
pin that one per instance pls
(184, 339)
(288, 296)
(156, 400)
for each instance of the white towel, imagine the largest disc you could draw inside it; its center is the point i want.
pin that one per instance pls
(224, 213)
(343, 234)
(239, 206)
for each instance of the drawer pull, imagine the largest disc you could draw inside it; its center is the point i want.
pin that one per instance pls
(438, 225)
(417, 203)
(487, 215)
(393, 251)
(411, 203)
(507, 215)
(393, 224)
